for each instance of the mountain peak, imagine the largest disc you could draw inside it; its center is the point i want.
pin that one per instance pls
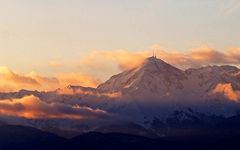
(153, 59)
(152, 76)
(154, 66)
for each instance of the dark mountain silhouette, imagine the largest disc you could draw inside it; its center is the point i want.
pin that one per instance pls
(26, 138)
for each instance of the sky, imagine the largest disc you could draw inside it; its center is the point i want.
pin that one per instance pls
(62, 38)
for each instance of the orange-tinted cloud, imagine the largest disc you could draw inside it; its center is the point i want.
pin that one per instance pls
(10, 80)
(33, 108)
(13, 81)
(77, 79)
(70, 91)
(111, 61)
(227, 90)
(103, 64)
(233, 55)
(193, 58)
(207, 56)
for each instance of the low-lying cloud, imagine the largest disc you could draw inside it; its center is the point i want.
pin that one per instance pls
(32, 107)
(96, 94)
(227, 90)
(13, 81)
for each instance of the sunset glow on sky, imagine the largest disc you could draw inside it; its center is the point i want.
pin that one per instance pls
(61, 42)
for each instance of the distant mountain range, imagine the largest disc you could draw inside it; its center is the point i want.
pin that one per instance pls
(154, 99)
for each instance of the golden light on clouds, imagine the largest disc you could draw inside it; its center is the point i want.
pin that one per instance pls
(100, 65)
(196, 57)
(227, 90)
(70, 91)
(10, 80)
(13, 81)
(32, 107)
(77, 79)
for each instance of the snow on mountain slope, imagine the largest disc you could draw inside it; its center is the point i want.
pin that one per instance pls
(171, 89)
(152, 91)
(155, 79)
(203, 81)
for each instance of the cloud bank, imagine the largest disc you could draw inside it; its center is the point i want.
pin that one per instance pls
(13, 81)
(32, 107)
(102, 64)
(193, 58)
(85, 92)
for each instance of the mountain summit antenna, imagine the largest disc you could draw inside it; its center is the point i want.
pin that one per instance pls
(154, 54)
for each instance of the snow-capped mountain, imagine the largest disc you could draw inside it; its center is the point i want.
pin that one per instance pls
(156, 89)
(156, 79)
(152, 79)
(154, 95)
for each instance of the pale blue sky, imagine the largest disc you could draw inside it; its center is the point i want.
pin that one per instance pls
(35, 32)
